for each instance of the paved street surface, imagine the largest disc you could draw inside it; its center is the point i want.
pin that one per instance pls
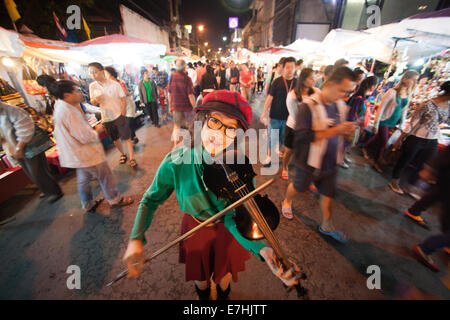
(42, 240)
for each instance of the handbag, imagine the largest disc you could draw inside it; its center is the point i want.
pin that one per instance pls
(40, 142)
(393, 152)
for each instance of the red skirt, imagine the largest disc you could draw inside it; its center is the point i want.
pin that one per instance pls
(211, 250)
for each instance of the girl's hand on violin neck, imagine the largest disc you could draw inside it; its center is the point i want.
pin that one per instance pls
(134, 258)
(288, 277)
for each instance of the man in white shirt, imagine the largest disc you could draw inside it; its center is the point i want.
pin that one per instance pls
(112, 100)
(79, 147)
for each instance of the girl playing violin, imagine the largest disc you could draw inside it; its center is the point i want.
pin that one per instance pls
(217, 249)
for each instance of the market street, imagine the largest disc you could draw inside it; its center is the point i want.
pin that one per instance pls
(41, 241)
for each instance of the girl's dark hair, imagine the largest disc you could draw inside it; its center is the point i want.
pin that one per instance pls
(365, 85)
(56, 88)
(306, 72)
(111, 71)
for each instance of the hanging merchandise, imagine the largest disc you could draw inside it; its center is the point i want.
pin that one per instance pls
(12, 97)
(29, 81)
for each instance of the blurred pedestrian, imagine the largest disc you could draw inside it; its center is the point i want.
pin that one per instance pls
(111, 98)
(26, 144)
(319, 145)
(148, 93)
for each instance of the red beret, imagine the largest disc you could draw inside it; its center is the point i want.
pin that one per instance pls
(230, 103)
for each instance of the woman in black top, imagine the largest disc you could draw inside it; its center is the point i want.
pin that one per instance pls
(208, 80)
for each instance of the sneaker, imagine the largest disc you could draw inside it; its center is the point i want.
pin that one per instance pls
(426, 260)
(396, 188)
(347, 160)
(344, 165)
(135, 140)
(414, 192)
(55, 197)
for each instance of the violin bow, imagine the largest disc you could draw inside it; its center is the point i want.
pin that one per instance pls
(201, 225)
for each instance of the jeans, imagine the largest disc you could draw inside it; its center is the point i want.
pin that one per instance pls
(36, 169)
(272, 140)
(415, 150)
(107, 182)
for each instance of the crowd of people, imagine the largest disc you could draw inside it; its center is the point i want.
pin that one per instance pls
(314, 119)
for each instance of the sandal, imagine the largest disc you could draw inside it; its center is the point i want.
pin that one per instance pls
(133, 163)
(123, 202)
(95, 206)
(284, 175)
(287, 212)
(336, 235)
(418, 220)
(426, 260)
(123, 159)
(377, 167)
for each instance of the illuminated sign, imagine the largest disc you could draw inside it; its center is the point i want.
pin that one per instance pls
(233, 22)
(188, 28)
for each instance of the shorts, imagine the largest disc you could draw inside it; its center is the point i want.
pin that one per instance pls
(325, 183)
(289, 135)
(118, 128)
(183, 119)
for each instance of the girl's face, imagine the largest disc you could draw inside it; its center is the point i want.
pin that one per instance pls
(310, 81)
(96, 74)
(218, 132)
(410, 82)
(371, 89)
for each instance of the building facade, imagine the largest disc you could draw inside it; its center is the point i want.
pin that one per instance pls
(281, 22)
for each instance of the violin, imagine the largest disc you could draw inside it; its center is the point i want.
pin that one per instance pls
(231, 182)
(256, 218)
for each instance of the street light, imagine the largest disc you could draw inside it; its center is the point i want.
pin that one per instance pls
(224, 38)
(209, 50)
(201, 27)
(206, 44)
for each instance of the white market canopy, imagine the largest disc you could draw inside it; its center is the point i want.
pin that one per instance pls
(13, 44)
(121, 49)
(10, 44)
(416, 37)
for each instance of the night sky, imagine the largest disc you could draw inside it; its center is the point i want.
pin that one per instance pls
(213, 14)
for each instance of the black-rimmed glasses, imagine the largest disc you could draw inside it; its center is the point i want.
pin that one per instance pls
(216, 124)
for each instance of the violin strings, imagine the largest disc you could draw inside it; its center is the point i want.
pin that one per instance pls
(261, 222)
